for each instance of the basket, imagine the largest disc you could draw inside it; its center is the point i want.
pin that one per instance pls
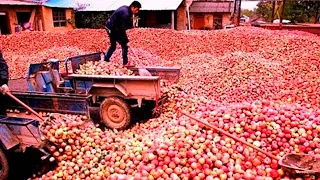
(304, 164)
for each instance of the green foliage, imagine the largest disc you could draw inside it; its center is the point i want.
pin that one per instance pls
(94, 20)
(295, 11)
(265, 10)
(247, 12)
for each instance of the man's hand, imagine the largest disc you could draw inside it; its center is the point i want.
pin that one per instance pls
(4, 89)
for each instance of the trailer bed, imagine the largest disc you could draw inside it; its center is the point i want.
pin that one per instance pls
(52, 102)
(127, 87)
(18, 84)
(109, 77)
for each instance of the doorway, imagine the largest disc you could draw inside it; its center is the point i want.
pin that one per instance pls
(4, 23)
(23, 17)
(198, 21)
(217, 21)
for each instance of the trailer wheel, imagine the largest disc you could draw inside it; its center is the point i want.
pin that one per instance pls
(115, 113)
(4, 166)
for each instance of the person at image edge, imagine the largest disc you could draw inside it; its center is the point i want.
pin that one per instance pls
(4, 76)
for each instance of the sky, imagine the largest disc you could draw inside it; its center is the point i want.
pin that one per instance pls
(250, 5)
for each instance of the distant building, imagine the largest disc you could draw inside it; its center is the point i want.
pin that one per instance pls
(154, 13)
(17, 15)
(211, 14)
(204, 14)
(244, 19)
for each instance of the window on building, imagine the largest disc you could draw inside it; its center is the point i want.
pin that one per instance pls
(23, 17)
(59, 17)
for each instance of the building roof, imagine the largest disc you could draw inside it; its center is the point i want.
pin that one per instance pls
(17, 2)
(211, 7)
(60, 3)
(48, 3)
(111, 5)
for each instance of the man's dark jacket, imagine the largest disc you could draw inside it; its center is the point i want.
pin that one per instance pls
(119, 22)
(3, 70)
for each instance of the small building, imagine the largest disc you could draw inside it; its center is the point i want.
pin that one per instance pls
(206, 14)
(244, 19)
(154, 13)
(17, 15)
(210, 14)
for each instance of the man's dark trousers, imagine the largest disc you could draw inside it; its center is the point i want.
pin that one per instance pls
(3, 104)
(114, 38)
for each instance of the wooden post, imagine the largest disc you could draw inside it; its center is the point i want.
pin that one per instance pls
(273, 8)
(188, 17)
(239, 13)
(188, 3)
(234, 12)
(172, 20)
(317, 13)
(40, 25)
(282, 13)
(32, 18)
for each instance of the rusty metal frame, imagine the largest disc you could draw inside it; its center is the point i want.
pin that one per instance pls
(127, 87)
(171, 74)
(54, 102)
(7, 122)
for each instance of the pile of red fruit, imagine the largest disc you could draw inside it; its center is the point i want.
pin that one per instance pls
(103, 68)
(258, 84)
(173, 146)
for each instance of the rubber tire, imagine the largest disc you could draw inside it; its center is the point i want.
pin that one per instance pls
(5, 166)
(121, 105)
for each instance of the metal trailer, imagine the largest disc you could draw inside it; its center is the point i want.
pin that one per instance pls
(17, 134)
(49, 90)
(45, 89)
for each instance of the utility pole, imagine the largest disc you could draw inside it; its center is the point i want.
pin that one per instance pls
(237, 12)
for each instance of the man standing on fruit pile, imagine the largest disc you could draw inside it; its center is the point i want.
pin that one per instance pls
(116, 27)
(3, 84)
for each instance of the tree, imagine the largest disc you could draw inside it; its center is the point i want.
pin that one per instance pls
(247, 12)
(264, 9)
(317, 15)
(94, 20)
(295, 11)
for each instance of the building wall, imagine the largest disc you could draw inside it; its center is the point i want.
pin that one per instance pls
(181, 18)
(43, 17)
(206, 20)
(48, 20)
(155, 19)
(197, 20)
(151, 20)
(226, 19)
(11, 12)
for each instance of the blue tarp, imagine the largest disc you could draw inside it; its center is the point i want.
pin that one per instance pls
(60, 3)
(56, 3)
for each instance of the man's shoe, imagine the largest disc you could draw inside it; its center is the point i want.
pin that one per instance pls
(106, 60)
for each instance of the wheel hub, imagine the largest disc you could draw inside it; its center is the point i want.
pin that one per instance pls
(115, 113)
